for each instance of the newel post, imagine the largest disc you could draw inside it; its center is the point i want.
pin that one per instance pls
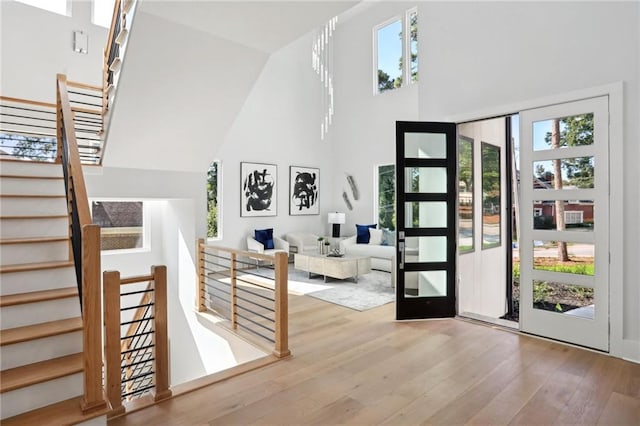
(111, 293)
(200, 307)
(281, 305)
(160, 336)
(93, 398)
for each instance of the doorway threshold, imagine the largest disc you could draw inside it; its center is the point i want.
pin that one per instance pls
(513, 325)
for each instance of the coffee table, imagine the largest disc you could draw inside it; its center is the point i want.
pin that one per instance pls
(334, 267)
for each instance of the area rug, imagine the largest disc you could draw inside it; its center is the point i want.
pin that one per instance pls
(372, 290)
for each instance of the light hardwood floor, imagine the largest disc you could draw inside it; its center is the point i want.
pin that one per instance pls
(363, 368)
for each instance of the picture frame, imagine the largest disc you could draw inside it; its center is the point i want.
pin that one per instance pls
(304, 191)
(258, 189)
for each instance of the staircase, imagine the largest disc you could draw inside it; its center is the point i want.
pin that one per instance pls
(41, 324)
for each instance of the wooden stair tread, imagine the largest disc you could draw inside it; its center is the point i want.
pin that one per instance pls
(19, 160)
(66, 412)
(23, 267)
(30, 240)
(38, 331)
(38, 296)
(37, 217)
(31, 374)
(30, 196)
(31, 177)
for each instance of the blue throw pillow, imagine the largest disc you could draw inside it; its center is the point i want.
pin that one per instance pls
(362, 233)
(265, 236)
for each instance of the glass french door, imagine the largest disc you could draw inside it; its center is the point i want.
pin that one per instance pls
(426, 220)
(564, 216)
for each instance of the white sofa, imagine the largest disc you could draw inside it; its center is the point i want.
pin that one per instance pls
(382, 257)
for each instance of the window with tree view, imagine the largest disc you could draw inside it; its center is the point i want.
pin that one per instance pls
(212, 200)
(394, 42)
(465, 195)
(387, 197)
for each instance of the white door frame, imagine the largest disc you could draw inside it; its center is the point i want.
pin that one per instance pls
(617, 344)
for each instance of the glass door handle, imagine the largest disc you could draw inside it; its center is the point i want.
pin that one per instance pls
(401, 253)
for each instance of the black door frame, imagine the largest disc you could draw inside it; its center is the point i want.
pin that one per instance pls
(438, 306)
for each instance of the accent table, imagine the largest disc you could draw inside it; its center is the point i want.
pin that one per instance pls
(334, 267)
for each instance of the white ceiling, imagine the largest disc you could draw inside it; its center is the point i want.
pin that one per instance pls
(263, 25)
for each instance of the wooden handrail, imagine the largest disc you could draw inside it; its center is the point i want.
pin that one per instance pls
(84, 86)
(111, 36)
(281, 311)
(27, 101)
(65, 123)
(114, 346)
(84, 249)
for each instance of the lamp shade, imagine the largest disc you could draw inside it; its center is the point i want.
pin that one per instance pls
(337, 218)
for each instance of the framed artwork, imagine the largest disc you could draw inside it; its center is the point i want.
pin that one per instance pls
(304, 191)
(258, 186)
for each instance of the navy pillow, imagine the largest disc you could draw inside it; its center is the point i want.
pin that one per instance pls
(362, 233)
(265, 236)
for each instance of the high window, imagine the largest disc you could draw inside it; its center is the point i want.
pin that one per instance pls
(61, 7)
(396, 52)
(102, 12)
(121, 223)
(213, 198)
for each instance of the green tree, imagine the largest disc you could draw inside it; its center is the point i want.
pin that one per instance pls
(212, 200)
(33, 148)
(384, 82)
(386, 197)
(576, 131)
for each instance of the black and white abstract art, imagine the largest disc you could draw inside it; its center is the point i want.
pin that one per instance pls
(258, 187)
(304, 191)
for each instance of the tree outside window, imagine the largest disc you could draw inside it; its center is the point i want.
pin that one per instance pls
(212, 200)
(392, 70)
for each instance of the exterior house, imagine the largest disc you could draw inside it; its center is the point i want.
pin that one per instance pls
(233, 82)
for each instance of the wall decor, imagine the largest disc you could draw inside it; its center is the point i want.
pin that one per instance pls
(258, 188)
(304, 191)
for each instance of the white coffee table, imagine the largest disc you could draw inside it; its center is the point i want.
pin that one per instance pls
(334, 267)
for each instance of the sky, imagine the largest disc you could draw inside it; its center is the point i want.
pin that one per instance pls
(390, 49)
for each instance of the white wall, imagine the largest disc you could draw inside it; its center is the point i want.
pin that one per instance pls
(179, 92)
(363, 134)
(37, 44)
(535, 50)
(278, 124)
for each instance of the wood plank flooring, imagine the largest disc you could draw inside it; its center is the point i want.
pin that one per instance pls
(363, 368)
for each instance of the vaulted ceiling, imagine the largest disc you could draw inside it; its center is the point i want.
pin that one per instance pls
(261, 25)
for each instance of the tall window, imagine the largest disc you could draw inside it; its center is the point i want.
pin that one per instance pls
(213, 197)
(386, 182)
(396, 52)
(121, 224)
(61, 7)
(102, 12)
(465, 195)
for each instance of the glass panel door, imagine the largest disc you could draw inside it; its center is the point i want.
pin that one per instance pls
(426, 209)
(564, 257)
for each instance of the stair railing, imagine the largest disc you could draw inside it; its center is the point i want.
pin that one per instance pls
(27, 129)
(114, 51)
(84, 248)
(253, 299)
(136, 360)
